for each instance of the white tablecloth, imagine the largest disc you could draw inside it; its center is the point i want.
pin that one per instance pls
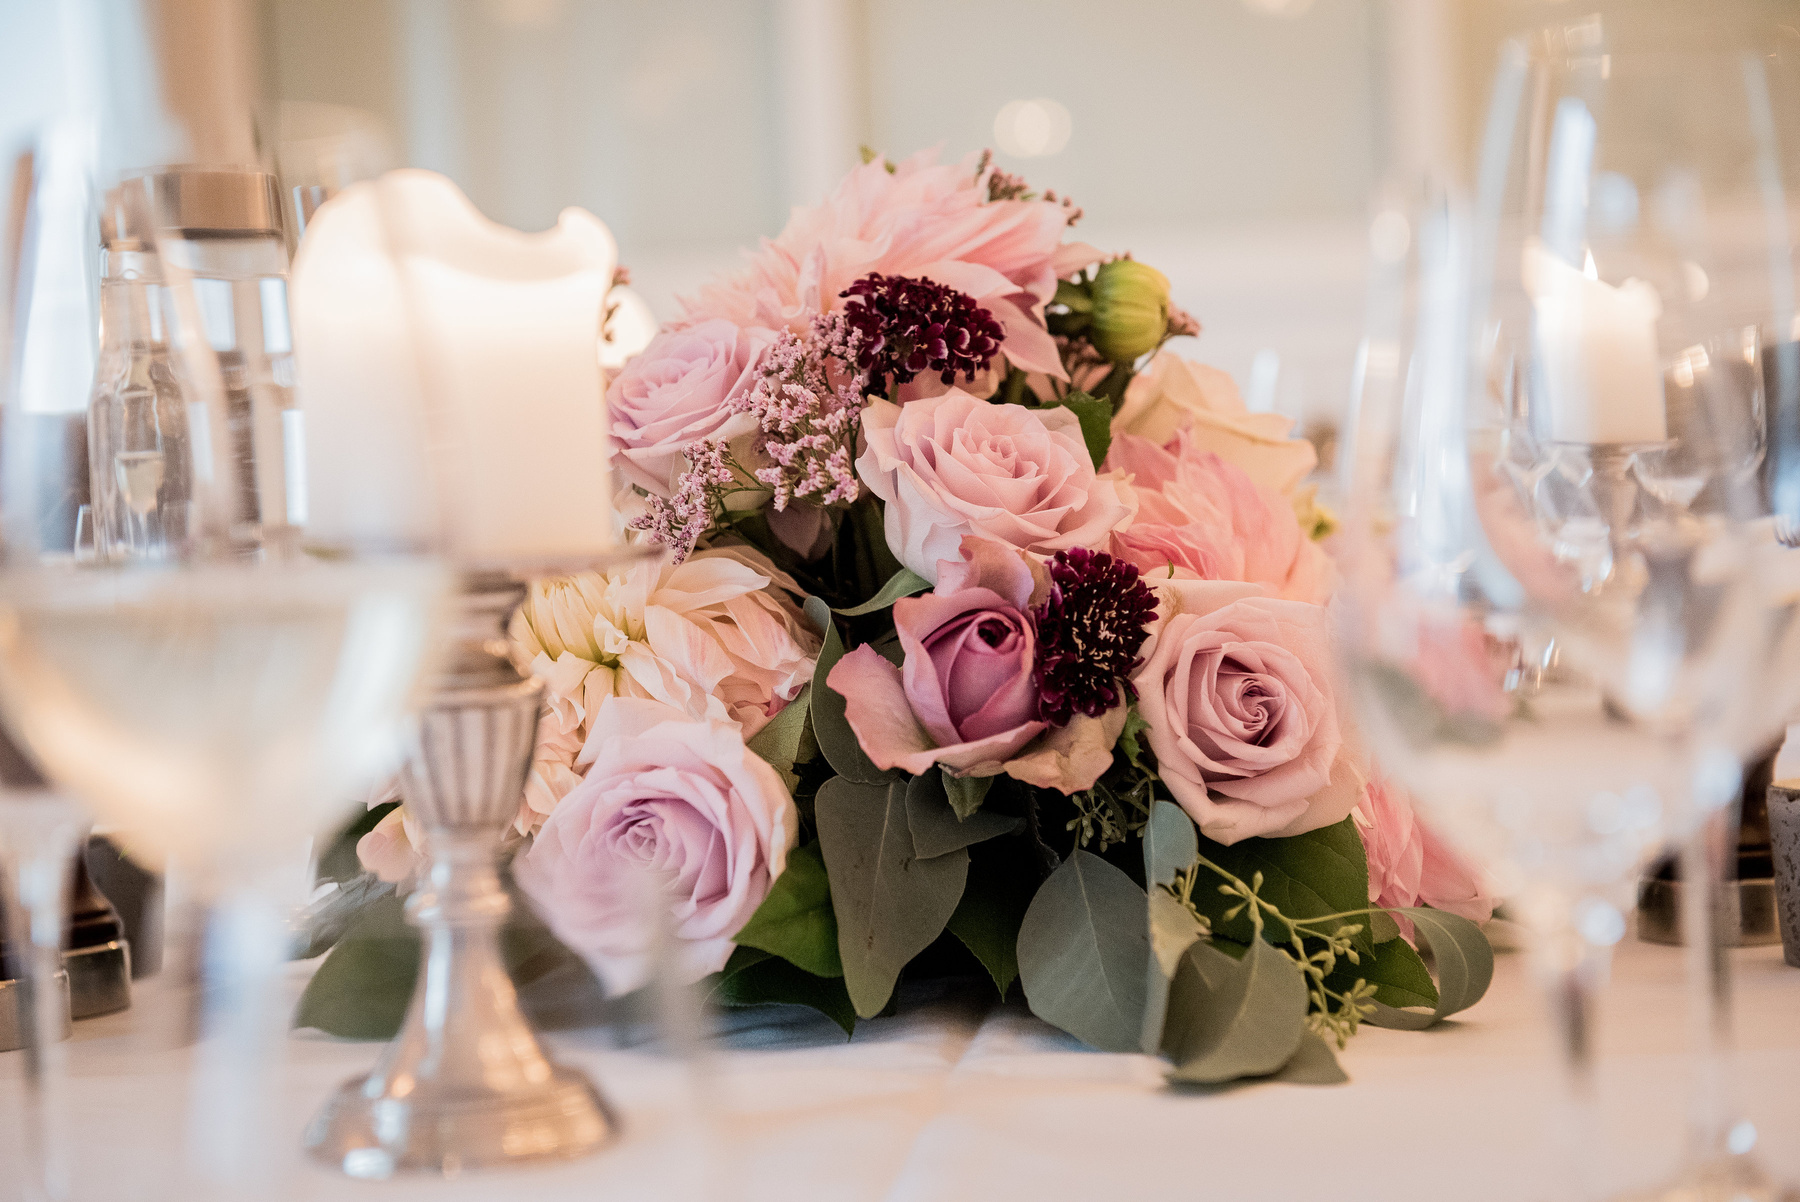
(956, 1099)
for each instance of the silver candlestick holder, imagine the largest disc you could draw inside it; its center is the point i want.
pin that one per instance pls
(465, 1084)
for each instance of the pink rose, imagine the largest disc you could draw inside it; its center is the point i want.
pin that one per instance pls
(1409, 865)
(923, 219)
(1238, 694)
(674, 393)
(672, 808)
(1202, 516)
(953, 466)
(1173, 394)
(965, 697)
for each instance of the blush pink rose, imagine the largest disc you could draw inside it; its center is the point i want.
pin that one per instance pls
(1202, 516)
(674, 809)
(1238, 693)
(675, 392)
(923, 219)
(1409, 865)
(964, 698)
(952, 466)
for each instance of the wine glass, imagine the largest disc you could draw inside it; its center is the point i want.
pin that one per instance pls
(1550, 593)
(215, 701)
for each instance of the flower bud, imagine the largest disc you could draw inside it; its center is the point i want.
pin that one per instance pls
(1131, 309)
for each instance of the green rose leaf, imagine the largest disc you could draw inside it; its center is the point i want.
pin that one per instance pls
(795, 921)
(966, 793)
(755, 978)
(783, 740)
(1321, 872)
(365, 983)
(339, 863)
(938, 828)
(1231, 1018)
(1095, 414)
(1002, 878)
(1084, 952)
(1465, 964)
(904, 583)
(830, 726)
(1395, 969)
(890, 903)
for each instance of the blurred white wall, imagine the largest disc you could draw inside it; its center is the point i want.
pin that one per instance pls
(1232, 143)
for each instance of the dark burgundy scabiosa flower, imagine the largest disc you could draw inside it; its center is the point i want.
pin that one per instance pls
(1089, 630)
(909, 326)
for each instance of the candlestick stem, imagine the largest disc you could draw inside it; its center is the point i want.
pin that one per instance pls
(465, 1084)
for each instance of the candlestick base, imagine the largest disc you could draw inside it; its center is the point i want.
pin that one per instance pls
(465, 1085)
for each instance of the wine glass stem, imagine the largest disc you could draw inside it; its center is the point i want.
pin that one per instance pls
(1704, 860)
(39, 840)
(233, 1109)
(1574, 989)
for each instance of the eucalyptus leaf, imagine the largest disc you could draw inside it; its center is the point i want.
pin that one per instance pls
(966, 793)
(795, 921)
(1323, 871)
(1233, 1018)
(782, 740)
(1465, 967)
(890, 903)
(936, 827)
(832, 729)
(1095, 414)
(1313, 1063)
(754, 978)
(1172, 931)
(1084, 952)
(904, 583)
(1170, 843)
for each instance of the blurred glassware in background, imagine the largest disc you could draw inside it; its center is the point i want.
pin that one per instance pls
(207, 690)
(140, 481)
(1552, 597)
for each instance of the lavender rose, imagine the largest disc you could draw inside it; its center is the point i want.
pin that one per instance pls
(670, 803)
(674, 393)
(966, 697)
(951, 466)
(1236, 688)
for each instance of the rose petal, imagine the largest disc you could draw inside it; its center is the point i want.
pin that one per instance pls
(1071, 758)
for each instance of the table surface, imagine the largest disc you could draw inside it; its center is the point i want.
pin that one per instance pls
(956, 1098)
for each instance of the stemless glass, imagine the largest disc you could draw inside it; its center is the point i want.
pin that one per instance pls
(1550, 599)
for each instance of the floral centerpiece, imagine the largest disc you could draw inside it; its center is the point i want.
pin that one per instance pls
(991, 635)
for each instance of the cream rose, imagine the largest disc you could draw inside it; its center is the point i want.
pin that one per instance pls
(1171, 394)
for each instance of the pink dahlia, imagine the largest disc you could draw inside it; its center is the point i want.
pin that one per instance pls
(922, 220)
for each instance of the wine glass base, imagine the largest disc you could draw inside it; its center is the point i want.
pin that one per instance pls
(370, 1133)
(1724, 1178)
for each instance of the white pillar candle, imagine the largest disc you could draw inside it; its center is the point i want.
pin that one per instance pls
(1596, 348)
(420, 325)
